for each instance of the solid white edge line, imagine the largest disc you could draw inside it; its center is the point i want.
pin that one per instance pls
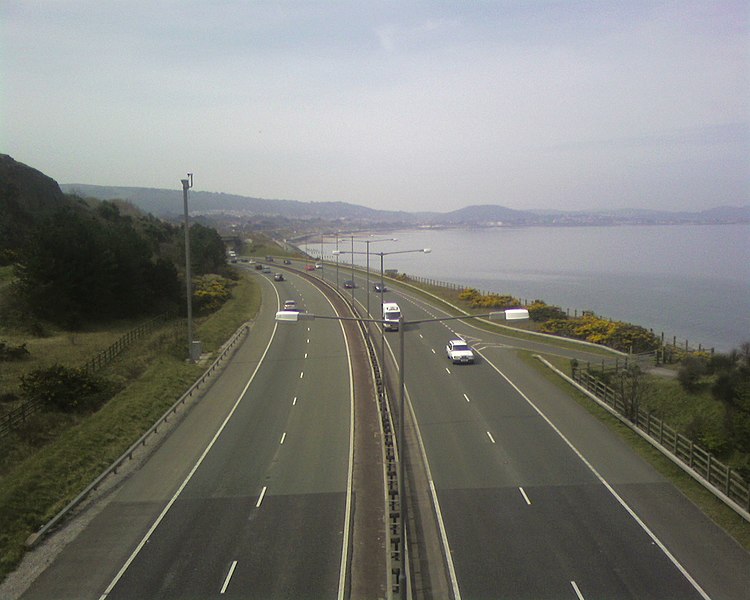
(447, 553)
(262, 495)
(525, 497)
(606, 484)
(229, 577)
(350, 471)
(187, 479)
(576, 590)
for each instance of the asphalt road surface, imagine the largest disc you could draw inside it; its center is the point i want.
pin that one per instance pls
(538, 499)
(248, 497)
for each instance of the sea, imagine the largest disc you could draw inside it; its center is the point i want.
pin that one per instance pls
(688, 282)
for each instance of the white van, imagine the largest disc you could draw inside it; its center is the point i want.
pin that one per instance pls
(391, 315)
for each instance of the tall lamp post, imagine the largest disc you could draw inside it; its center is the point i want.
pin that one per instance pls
(381, 255)
(513, 314)
(186, 185)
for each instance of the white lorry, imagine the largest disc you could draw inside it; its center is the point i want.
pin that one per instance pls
(391, 315)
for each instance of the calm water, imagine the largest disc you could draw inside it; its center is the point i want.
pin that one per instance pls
(688, 281)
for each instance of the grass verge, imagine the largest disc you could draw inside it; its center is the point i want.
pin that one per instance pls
(44, 477)
(709, 504)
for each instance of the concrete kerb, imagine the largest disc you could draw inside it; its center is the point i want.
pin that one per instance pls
(665, 451)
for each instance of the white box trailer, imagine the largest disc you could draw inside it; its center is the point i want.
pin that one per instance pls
(391, 315)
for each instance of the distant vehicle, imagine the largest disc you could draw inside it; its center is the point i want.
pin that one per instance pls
(391, 315)
(309, 267)
(459, 352)
(278, 277)
(258, 267)
(269, 258)
(379, 287)
(287, 261)
(266, 269)
(290, 305)
(318, 265)
(349, 284)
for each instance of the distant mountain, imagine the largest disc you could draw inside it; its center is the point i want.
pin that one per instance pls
(485, 213)
(169, 204)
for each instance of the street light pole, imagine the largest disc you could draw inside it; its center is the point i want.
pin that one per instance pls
(508, 315)
(187, 184)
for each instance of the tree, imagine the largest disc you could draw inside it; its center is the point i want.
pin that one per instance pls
(732, 388)
(207, 251)
(78, 266)
(634, 390)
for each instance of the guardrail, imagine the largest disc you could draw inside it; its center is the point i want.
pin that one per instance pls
(34, 538)
(722, 480)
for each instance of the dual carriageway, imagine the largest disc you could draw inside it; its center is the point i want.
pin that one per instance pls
(265, 490)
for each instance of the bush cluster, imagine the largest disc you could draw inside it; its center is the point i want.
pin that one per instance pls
(540, 311)
(479, 300)
(727, 377)
(211, 292)
(614, 334)
(9, 353)
(66, 389)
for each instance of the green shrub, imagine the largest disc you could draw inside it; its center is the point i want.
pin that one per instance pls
(8, 353)
(690, 372)
(614, 334)
(540, 311)
(66, 389)
(211, 292)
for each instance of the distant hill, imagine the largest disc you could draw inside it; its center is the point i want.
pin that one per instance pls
(168, 204)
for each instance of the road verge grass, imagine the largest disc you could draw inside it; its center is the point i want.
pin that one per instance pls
(709, 504)
(44, 479)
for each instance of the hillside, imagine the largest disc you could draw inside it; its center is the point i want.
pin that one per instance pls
(168, 204)
(25, 196)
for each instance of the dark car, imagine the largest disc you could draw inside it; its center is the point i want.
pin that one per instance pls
(287, 261)
(258, 267)
(379, 287)
(278, 277)
(349, 284)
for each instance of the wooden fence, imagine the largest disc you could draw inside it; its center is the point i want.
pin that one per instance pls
(718, 475)
(16, 417)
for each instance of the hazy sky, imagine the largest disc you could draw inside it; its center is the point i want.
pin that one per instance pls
(389, 104)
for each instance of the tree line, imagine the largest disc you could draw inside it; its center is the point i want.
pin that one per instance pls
(79, 266)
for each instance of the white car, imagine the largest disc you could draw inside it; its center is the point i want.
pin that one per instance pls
(459, 352)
